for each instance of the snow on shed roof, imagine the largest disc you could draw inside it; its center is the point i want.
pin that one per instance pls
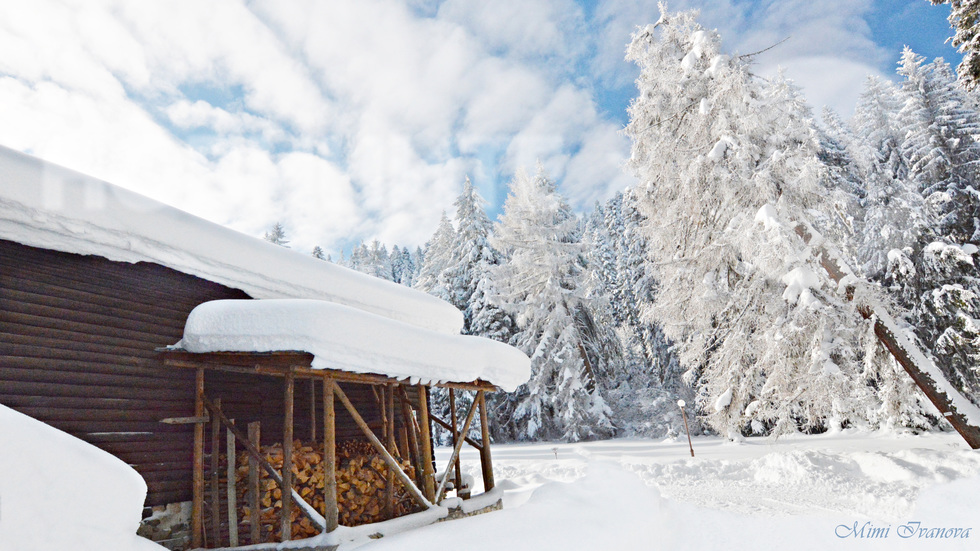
(348, 339)
(47, 206)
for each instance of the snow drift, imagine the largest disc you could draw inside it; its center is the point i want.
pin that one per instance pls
(59, 492)
(345, 338)
(47, 206)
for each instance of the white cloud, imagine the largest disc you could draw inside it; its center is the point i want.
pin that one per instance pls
(358, 119)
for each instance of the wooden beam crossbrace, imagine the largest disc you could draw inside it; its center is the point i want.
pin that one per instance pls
(257, 455)
(449, 428)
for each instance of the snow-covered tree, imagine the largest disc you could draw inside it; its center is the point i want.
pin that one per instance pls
(277, 235)
(936, 279)
(965, 20)
(541, 285)
(728, 165)
(894, 214)
(318, 253)
(435, 261)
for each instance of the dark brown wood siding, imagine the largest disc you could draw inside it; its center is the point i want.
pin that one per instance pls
(77, 341)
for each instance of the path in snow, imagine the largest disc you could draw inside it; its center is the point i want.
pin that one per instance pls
(795, 493)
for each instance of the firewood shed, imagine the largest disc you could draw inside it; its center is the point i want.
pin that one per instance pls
(96, 282)
(357, 379)
(235, 395)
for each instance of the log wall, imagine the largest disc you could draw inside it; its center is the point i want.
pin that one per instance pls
(78, 336)
(77, 341)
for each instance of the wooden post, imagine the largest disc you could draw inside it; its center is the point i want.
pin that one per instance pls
(455, 457)
(330, 512)
(392, 448)
(215, 478)
(312, 410)
(413, 441)
(255, 520)
(681, 404)
(232, 491)
(425, 428)
(197, 503)
(413, 490)
(458, 477)
(287, 458)
(486, 465)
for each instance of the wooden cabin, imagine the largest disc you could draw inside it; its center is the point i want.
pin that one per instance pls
(96, 282)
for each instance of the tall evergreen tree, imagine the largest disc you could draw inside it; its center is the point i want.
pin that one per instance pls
(938, 279)
(436, 260)
(727, 166)
(541, 284)
(965, 20)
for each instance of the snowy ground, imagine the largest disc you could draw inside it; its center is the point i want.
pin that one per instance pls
(815, 492)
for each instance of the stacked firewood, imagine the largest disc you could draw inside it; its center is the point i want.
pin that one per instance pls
(361, 482)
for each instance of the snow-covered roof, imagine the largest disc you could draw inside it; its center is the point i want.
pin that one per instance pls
(47, 206)
(344, 338)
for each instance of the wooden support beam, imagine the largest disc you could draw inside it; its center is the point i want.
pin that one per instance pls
(486, 465)
(231, 490)
(458, 477)
(254, 519)
(330, 510)
(453, 460)
(287, 459)
(413, 439)
(425, 433)
(313, 420)
(389, 394)
(276, 364)
(272, 471)
(392, 464)
(215, 481)
(197, 501)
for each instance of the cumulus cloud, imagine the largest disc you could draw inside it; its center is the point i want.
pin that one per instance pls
(352, 120)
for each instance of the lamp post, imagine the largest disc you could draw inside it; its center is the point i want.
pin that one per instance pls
(681, 404)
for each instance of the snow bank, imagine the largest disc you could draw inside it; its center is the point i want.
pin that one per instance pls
(345, 338)
(57, 492)
(47, 206)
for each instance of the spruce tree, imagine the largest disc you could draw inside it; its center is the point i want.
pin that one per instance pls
(541, 285)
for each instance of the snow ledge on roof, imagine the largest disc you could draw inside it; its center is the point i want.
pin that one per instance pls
(44, 205)
(348, 339)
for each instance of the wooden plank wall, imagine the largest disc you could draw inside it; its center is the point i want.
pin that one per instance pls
(77, 340)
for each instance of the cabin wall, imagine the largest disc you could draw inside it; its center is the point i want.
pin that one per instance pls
(77, 351)
(78, 336)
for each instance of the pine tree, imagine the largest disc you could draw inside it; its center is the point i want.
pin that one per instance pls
(435, 260)
(964, 19)
(318, 253)
(936, 279)
(728, 165)
(541, 285)
(469, 270)
(894, 210)
(277, 235)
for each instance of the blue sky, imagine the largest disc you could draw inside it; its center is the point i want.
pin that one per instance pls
(354, 120)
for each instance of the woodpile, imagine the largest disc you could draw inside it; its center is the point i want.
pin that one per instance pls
(361, 487)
